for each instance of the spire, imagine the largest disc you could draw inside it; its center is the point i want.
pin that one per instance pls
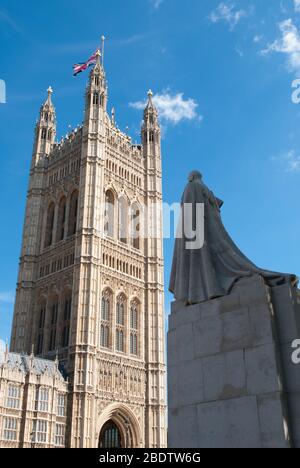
(45, 128)
(103, 42)
(150, 109)
(113, 116)
(6, 351)
(96, 94)
(150, 100)
(49, 101)
(98, 55)
(151, 128)
(150, 112)
(56, 362)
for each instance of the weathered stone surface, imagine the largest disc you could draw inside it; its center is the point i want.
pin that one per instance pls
(262, 370)
(272, 421)
(230, 370)
(228, 424)
(224, 376)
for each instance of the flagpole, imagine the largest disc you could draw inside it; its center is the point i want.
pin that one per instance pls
(102, 52)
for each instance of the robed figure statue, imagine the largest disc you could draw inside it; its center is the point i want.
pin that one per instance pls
(210, 270)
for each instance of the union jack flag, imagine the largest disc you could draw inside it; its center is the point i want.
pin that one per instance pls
(80, 67)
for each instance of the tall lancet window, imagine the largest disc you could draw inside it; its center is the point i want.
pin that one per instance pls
(53, 324)
(65, 337)
(120, 323)
(105, 316)
(123, 220)
(41, 329)
(73, 213)
(109, 215)
(61, 221)
(134, 328)
(49, 225)
(135, 226)
(151, 136)
(95, 98)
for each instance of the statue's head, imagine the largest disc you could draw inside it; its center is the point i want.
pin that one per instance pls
(195, 176)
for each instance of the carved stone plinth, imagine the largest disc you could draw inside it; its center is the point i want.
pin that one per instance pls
(231, 379)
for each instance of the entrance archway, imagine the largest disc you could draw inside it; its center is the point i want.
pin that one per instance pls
(111, 436)
(118, 427)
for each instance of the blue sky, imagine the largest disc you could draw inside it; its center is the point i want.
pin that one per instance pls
(222, 74)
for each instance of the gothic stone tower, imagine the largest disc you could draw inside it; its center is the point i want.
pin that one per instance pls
(90, 285)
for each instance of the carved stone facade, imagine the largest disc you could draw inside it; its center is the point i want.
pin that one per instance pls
(33, 402)
(90, 286)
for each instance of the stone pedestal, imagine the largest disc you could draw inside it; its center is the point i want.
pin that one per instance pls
(231, 379)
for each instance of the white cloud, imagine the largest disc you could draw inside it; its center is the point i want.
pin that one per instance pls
(7, 297)
(257, 38)
(297, 5)
(228, 13)
(288, 44)
(290, 161)
(239, 52)
(172, 108)
(156, 3)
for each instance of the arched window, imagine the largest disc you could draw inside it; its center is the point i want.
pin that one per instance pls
(104, 336)
(123, 214)
(40, 329)
(61, 221)
(44, 134)
(105, 309)
(95, 99)
(109, 214)
(135, 226)
(120, 341)
(120, 323)
(73, 213)
(53, 325)
(65, 338)
(134, 328)
(120, 312)
(49, 225)
(133, 344)
(134, 317)
(110, 436)
(105, 317)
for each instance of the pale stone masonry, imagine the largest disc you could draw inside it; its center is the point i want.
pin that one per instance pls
(33, 402)
(88, 290)
(232, 382)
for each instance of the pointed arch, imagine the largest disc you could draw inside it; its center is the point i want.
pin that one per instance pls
(135, 307)
(40, 326)
(66, 319)
(49, 225)
(53, 320)
(109, 215)
(126, 421)
(73, 213)
(61, 220)
(135, 225)
(105, 318)
(123, 219)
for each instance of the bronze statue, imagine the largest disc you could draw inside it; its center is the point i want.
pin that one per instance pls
(212, 270)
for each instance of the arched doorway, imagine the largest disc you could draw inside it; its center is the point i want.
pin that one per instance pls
(110, 436)
(118, 416)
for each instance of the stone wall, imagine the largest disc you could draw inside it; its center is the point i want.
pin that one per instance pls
(232, 382)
